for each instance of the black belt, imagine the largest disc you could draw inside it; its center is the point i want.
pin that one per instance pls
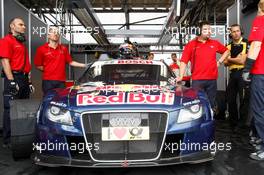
(236, 69)
(14, 73)
(19, 73)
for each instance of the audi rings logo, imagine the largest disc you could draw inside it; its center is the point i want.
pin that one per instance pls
(125, 121)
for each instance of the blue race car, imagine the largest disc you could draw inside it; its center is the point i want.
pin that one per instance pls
(123, 113)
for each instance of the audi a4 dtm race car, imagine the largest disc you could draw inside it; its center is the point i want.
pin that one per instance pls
(119, 113)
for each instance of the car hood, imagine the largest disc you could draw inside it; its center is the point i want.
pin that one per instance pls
(125, 96)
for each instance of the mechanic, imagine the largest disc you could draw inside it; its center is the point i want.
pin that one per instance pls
(128, 50)
(16, 69)
(176, 68)
(254, 72)
(238, 48)
(201, 52)
(150, 56)
(51, 58)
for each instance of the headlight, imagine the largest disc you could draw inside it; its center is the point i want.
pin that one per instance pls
(190, 113)
(55, 110)
(58, 115)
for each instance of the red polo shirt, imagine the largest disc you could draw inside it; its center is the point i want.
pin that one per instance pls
(203, 58)
(174, 66)
(53, 61)
(257, 34)
(14, 50)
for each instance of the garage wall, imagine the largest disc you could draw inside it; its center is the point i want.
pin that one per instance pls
(219, 34)
(37, 39)
(246, 22)
(232, 15)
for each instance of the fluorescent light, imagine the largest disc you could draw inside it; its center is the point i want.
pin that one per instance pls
(178, 11)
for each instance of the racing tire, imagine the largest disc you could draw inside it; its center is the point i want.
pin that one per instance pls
(21, 146)
(23, 121)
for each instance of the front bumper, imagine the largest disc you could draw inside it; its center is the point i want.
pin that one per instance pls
(57, 161)
(195, 132)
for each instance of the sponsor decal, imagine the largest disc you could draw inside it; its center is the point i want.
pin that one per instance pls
(139, 98)
(135, 62)
(125, 133)
(191, 102)
(90, 99)
(151, 88)
(58, 104)
(119, 98)
(126, 88)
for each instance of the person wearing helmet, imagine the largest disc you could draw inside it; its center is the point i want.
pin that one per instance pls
(128, 50)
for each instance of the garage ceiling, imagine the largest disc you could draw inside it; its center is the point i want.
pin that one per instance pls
(161, 17)
(220, 6)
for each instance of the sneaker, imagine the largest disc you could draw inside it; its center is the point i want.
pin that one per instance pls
(258, 141)
(259, 156)
(255, 141)
(255, 153)
(258, 147)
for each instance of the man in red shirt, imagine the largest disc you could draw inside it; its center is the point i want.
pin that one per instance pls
(16, 68)
(255, 66)
(51, 58)
(201, 51)
(150, 56)
(174, 66)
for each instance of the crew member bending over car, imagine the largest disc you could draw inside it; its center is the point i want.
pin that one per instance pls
(174, 66)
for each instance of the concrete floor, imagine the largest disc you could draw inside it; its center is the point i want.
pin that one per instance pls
(232, 162)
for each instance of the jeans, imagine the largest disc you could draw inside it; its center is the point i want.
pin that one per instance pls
(51, 84)
(257, 104)
(210, 88)
(236, 86)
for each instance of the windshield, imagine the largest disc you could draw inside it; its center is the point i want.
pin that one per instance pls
(127, 74)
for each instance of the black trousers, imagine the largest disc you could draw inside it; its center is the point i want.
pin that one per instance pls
(210, 88)
(51, 84)
(236, 87)
(257, 104)
(23, 93)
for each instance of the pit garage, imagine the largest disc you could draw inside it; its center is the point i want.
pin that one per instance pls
(121, 103)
